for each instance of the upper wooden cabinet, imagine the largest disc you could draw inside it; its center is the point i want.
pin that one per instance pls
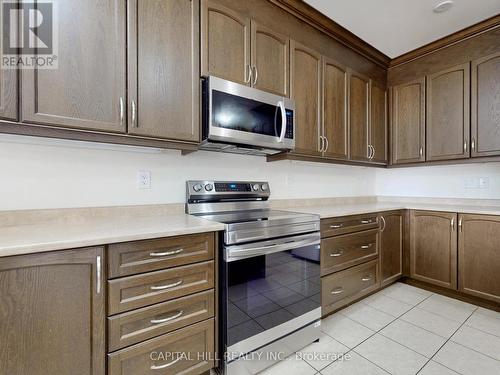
(8, 88)
(391, 246)
(448, 121)
(378, 123)
(408, 122)
(163, 69)
(485, 110)
(88, 89)
(358, 117)
(52, 319)
(433, 247)
(305, 72)
(479, 261)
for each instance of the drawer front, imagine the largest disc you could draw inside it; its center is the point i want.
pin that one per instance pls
(186, 351)
(341, 252)
(139, 325)
(144, 256)
(343, 287)
(133, 292)
(348, 224)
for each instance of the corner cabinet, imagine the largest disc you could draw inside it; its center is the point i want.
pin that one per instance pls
(391, 246)
(52, 319)
(359, 91)
(378, 123)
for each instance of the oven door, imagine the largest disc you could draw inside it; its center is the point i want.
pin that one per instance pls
(244, 115)
(269, 291)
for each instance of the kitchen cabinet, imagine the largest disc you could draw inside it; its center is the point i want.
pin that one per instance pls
(88, 88)
(447, 114)
(52, 319)
(305, 73)
(391, 246)
(478, 254)
(485, 110)
(378, 123)
(358, 117)
(8, 88)
(433, 247)
(163, 69)
(408, 122)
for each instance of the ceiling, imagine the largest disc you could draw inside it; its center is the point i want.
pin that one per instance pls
(395, 27)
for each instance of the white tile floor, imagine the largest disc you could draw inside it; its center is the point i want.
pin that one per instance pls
(403, 330)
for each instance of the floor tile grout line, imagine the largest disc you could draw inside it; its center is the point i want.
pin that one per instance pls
(425, 329)
(481, 330)
(474, 350)
(352, 350)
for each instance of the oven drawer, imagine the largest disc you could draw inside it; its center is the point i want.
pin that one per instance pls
(135, 326)
(131, 258)
(137, 291)
(348, 224)
(341, 288)
(186, 351)
(341, 252)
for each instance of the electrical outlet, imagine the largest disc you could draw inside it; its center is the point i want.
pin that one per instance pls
(144, 179)
(484, 182)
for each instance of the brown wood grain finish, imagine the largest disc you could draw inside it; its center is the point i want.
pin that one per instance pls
(52, 315)
(348, 224)
(163, 69)
(138, 325)
(433, 247)
(87, 90)
(188, 351)
(130, 258)
(137, 291)
(378, 123)
(358, 116)
(485, 106)
(341, 252)
(447, 114)
(478, 254)
(305, 73)
(9, 82)
(408, 122)
(391, 246)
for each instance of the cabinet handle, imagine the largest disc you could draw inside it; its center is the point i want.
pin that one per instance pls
(336, 226)
(134, 114)
(321, 143)
(175, 316)
(366, 221)
(421, 151)
(122, 111)
(460, 224)
(256, 77)
(166, 253)
(366, 278)
(248, 70)
(168, 286)
(166, 364)
(337, 254)
(383, 222)
(98, 274)
(327, 144)
(453, 224)
(365, 247)
(465, 146)
(338, 290)
(473, 144)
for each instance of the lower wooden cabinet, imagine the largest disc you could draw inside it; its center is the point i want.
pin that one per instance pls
(52, 313)
(391, 246)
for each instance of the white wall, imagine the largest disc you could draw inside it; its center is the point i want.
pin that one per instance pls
(45, 173)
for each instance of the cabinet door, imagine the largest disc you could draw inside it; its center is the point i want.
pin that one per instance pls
(391, 246)
(335, 125)
(358, 117)
(479, 261)
(163, 65)
(378, 123)
(433, 248)
(225, 43)
(448, 121)
(408, 122)
(87, 90)
(270, 55)
(8, 85)
(306, 91)
(52, 319)
(485, 117)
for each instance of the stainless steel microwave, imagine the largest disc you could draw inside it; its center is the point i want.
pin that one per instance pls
(242, 119)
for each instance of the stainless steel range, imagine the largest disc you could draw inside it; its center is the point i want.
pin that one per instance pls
(269, 274)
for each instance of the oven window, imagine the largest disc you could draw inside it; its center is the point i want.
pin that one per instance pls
(268, 290)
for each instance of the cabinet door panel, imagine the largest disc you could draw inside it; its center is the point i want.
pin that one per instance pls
(306, 91)
(87, 90)
(378, 122)
(391, 246)
(479, 261)
(408, 122)
(225, 42)
(163, 69)
(270, 54)
(358, 117)
(448, 121)
(433, 248)
(8, 86)
(485, 118)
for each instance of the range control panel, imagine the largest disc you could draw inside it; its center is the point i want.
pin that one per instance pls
(201, 189)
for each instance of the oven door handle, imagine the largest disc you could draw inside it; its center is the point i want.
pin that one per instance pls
(281, 105)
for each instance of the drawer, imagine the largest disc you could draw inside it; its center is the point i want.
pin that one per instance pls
(186, 351)
(131, 258)
(348, 224)
(341, 252)
(139, 325)
(341, 288)
(137, 291)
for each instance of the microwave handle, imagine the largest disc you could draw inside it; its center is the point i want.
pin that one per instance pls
(281, 104)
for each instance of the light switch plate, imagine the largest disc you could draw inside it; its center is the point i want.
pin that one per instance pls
(484, 182)
(144, 179)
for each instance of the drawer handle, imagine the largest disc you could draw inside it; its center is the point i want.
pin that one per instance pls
(166, 364)
(166, 253)
(366, 278)
(336, 226)
(338, 290)
(175, 316)
(168, 286)
(364, 247)
(366, 221)
(337, 254)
